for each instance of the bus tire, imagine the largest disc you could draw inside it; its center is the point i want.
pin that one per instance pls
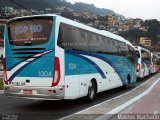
(91, 92)
(128, 82)
(143, 76)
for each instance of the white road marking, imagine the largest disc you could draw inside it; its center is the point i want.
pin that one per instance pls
(107, 100)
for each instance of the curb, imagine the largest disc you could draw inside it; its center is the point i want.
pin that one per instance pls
(123, 106)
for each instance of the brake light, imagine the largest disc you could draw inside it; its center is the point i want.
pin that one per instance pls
(138, 67)
(57, 74)
(151, 65)
(4, 72)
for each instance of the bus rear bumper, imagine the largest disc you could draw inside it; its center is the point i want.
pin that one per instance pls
(39, 93)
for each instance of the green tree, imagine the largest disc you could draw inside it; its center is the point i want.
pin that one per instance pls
(1, 32)
(154, 30)
(133, 35)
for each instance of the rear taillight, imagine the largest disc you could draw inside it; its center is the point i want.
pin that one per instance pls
(138, 67)
(4, 72)
(57, 74)
(151, 65)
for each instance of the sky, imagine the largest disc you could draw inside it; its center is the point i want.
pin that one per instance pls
(144, 9)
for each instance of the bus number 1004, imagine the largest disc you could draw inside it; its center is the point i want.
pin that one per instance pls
(45, 73)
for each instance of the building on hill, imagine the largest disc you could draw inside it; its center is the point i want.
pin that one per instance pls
(145, 41)
(157, 54)
(137, 23)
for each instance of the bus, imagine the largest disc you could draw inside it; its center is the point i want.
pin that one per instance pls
(1, 54)
(158, 60)
(144, 65)
(49, 57)
(158, 66)
(154, 65)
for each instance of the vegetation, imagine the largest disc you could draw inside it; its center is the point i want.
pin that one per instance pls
(1, 31)
(133, 35)
(153, 32)
(43, 4)
(1, 84)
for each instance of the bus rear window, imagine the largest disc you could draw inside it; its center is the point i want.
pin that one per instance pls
(30, 32)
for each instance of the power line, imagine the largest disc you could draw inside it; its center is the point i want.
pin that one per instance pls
(22, 6)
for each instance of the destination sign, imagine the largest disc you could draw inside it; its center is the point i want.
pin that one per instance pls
(26, 29)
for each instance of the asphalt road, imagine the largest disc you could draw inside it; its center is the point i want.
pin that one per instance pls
(51, 110)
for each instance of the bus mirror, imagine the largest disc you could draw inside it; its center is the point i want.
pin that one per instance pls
(137, 54)
(1, 57)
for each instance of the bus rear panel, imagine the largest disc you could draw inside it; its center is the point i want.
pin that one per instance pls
(31, 68)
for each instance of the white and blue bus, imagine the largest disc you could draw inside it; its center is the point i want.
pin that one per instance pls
(49, 57)
(144, 66)
(154, 65)
(1, 54)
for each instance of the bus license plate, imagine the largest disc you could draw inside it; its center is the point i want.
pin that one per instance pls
(27, 92)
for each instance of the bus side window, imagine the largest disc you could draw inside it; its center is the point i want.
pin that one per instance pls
(131, 54)
(64, 40)
(122, 48)
(102, 48)
(91, 38)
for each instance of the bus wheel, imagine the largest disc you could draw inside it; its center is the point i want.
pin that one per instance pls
(91, 92)
(127, 82)
(143, 76)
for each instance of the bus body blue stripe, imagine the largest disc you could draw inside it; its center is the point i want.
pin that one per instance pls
(22, 61)
(107, 61)
(79, 53)
(88, 60)
(15, 65)
(19, 70)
